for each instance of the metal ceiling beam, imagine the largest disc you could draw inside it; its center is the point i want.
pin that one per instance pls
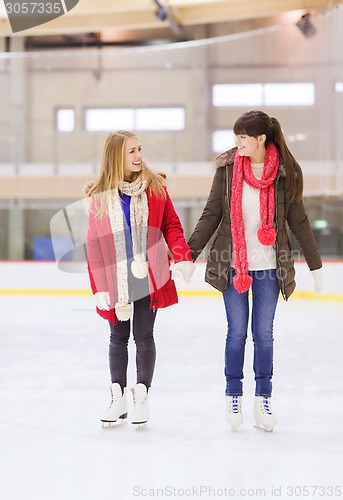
(89, 15)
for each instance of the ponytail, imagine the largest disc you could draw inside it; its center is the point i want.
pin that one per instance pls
(294, 176)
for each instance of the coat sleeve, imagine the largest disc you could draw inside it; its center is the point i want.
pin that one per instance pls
(173, 233)
(211, 216)
(300, 226)
(95, 261)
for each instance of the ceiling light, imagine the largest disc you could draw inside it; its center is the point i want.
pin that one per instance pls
(163, 13)
(306, 27)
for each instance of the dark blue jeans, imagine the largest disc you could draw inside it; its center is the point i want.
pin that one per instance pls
(143, 334)
(265, 293)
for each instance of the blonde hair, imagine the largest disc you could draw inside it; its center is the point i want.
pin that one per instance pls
(112, 172)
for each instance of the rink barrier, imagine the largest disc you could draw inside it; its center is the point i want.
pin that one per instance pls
(45, 278)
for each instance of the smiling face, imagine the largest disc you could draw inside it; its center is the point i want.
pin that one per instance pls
(254, 147)
(132, 157)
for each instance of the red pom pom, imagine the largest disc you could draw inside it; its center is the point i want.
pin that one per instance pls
(266, 236)
(242, 282)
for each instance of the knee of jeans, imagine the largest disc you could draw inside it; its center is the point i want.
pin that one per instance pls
(144, 342)
(119, 341)
(237, 336)
(263, 336)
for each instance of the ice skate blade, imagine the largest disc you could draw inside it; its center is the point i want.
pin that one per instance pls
(139, 425)
(234, 428)
(234, 425)
(116, 423)
(263, 429)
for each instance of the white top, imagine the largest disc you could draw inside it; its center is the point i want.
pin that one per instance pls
(260, 257)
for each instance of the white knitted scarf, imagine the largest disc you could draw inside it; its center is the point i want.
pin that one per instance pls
(139, 213)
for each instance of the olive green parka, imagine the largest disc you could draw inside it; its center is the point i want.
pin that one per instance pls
(216, 215)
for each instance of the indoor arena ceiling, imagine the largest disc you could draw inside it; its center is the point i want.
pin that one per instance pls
(117, 17)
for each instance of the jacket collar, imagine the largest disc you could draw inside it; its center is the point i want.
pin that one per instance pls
(227, 159)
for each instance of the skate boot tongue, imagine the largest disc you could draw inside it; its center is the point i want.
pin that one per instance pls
(140, 414)
(140, 391)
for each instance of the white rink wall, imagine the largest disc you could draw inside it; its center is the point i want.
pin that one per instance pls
(29, 276)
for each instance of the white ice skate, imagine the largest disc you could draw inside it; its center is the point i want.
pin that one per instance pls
(234, 411)
(117, 411)
(140, 413)
(265, 419)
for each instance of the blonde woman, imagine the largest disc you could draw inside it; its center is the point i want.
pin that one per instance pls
(132, 230)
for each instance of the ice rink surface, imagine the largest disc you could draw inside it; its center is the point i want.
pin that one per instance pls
(55, 387)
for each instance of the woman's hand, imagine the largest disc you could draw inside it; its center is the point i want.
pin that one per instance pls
(102, 301)
(184, 270)
(318, 280)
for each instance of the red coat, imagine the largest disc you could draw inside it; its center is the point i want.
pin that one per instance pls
(164, 232)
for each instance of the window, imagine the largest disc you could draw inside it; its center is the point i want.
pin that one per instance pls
(160, 119)
(289, 94)
(107, 119)
(339, 87)
(65, 120)
(222, 140)
(102, 120)
(268, 94)
(237, 94)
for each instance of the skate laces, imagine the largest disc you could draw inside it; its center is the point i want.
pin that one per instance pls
(235, 404)
(113, 404)
(139, 405)
(266, 408)
(115, 401)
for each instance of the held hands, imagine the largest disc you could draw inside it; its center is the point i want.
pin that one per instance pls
(102, 301)
(317, 275)
(183, 270)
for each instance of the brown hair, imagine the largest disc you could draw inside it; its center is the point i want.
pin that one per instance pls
(112, 172)
(255, 123)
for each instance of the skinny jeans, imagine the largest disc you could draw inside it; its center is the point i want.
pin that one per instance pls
(143, 333)
(265, 293)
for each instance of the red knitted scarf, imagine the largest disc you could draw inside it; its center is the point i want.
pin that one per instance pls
(266, 234)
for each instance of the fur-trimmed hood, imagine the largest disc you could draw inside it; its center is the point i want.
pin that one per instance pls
(226, 158)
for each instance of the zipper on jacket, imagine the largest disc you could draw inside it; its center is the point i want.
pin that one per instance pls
(155, 299)
(109, 254)
(228, 197)
(276, 241)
